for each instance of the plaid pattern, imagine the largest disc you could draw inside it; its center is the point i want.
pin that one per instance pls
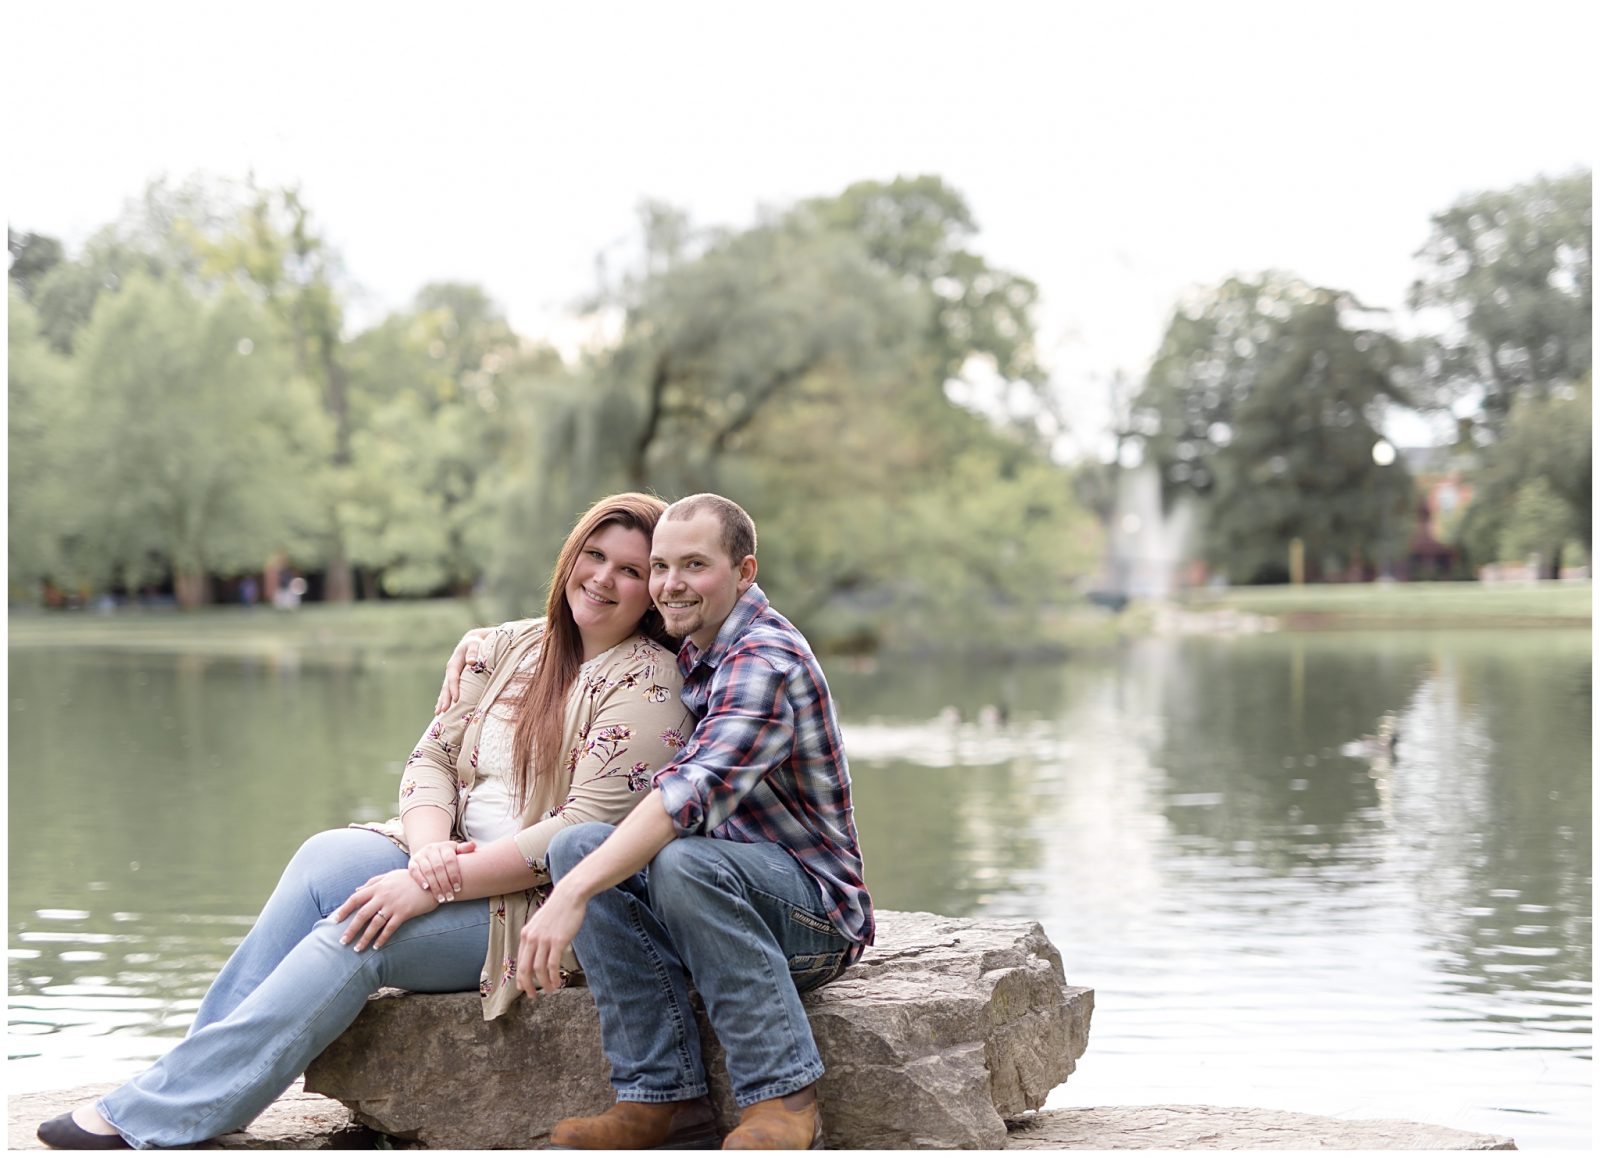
(766, 762)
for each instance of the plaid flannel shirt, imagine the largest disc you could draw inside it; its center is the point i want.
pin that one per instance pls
(766, 762)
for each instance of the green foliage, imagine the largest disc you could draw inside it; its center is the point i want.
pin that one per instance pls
(192, 367)
(1514, 269)
(191, 436)
(1533, 490)
(42, 517)
(917, 229)
(32, 256)
(1263, 398)
(426, 392)
(1538, 522)
(801, 365)
(153, 236)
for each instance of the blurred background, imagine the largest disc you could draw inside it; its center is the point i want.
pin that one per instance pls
(1172, 425)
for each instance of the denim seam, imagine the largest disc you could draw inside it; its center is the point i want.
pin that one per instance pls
(746, 913)
(782, 1087)
(787, 903)
(685, 1062)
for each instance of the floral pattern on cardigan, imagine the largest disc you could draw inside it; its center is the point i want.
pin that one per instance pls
(616, 733)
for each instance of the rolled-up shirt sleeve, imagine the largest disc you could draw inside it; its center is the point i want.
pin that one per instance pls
(636, 728)
(747, 731)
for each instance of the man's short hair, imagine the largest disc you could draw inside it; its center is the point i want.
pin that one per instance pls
(738, 528)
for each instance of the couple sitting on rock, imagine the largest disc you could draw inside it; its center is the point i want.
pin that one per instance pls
(673, 820)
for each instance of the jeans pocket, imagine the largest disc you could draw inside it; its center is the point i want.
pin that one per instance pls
(809, 970)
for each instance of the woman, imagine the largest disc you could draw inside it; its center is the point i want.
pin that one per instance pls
(560, 720)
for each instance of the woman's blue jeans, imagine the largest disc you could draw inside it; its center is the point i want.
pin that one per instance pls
(745, 925)
(288, 990)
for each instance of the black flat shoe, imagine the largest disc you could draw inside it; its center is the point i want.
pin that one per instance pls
(64, 1134)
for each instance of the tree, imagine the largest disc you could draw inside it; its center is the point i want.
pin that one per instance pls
(153, 236)
(1513, 268)
(32, 256)
(427, 390)
(1533, 492)
(804, 366)
(272, 245)
(753, 321)
(43, 524)
(918, 230)
(197, 444)
(1264, 398)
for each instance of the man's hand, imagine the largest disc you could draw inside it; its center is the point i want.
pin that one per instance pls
(381, 906)
(544, 939)
(646, 831)
(463, 657)
(434, 867)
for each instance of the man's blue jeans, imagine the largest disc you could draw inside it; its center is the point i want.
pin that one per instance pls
(288, 990)
(744, 924)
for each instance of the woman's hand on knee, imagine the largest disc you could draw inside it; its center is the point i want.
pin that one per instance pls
(436, 869)
(381, 906)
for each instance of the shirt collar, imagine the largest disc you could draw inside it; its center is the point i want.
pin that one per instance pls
(751, 604)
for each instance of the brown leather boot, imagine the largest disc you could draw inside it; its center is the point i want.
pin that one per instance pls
(769, 1125)
(688, 1125)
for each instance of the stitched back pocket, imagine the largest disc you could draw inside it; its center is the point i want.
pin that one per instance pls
(809, 970)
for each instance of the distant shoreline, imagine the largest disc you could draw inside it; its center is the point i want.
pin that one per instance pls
(1342, 606)
(322, 631)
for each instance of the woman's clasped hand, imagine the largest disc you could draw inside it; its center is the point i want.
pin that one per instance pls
(435, 867)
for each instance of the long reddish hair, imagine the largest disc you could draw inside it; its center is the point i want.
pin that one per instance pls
(540, 708)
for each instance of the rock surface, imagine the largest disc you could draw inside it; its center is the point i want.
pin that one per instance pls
(1228, 1128)
(943, 1030)
(302, 1121)
(296, 1121)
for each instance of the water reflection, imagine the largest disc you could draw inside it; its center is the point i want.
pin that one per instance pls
(1270, 912)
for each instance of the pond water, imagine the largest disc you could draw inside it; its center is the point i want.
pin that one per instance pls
(1270, 912)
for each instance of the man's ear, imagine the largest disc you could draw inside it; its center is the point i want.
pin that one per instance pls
(747, 573)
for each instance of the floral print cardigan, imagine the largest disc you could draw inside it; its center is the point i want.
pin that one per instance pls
(624, 720)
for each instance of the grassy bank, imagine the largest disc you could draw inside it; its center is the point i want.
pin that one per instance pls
(1360, 605)
(315, 628)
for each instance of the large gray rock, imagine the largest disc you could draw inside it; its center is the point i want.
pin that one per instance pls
(1231, 1128)
(943, 1030)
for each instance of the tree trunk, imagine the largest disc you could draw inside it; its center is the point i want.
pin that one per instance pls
(339, 578)
(639, 452)
(1550, 565)
(193, 588)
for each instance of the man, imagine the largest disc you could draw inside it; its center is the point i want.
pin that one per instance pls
(739, 874)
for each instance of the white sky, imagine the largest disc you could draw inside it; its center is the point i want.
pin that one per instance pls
(1115, 153)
